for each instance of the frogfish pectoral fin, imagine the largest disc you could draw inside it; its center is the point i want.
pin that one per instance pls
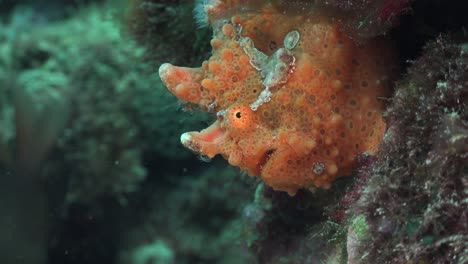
(183, 82)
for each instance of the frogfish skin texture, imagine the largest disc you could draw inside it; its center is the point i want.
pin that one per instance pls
(296, 100)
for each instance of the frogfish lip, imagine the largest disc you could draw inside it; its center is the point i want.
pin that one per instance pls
(262, 161)
(207, 142)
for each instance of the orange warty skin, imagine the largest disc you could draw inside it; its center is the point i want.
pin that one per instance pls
(296, 99)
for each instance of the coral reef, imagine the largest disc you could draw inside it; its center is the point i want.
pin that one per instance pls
(101, 142)
(367, 18)
(284, 229)
(200, 226)
(415, 201)
(110, 128)
(167, 27)
(79, 115)
(296, 99)
(361, 19)
(156, 252)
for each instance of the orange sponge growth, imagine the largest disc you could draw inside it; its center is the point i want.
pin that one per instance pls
(296, 99)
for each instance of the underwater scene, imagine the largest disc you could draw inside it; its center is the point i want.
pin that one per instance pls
(233, 131)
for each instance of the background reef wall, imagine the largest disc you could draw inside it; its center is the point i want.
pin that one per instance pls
(101, 138)
(415, 201)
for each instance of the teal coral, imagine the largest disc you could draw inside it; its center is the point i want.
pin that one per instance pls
(157, 252)
(110, 97)
(360, 227)
(203, 205)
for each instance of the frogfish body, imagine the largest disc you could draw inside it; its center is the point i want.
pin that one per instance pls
(296, 99)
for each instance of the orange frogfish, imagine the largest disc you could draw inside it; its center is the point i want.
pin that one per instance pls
(296, 99)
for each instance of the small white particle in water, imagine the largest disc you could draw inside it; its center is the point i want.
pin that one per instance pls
(441, 84)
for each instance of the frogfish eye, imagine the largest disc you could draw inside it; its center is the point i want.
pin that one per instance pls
(240, 116)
